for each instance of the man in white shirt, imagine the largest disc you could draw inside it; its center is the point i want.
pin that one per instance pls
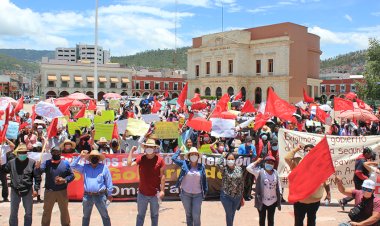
(5, 148)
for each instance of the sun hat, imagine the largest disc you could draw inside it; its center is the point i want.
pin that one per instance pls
(370, 184)
(96, 153)
(62, 145)
(37, 145)
(192, 151)
(150, 143)
(102, 140)
(20, 148)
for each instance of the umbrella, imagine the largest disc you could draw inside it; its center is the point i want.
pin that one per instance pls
(79, 96)
(198, 106)
(351, 96)
(200, 124)
(63, 101)
(325, 107)
(367, 107)
(358, 114)
(4, 101)
(112, 96)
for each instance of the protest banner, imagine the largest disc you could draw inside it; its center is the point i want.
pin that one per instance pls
(344, 150)
(148, 118)
(223, 127)
(84, 122)
(47, 110)
(98, 119)
(122, 125)
(36, 156)
(125, 179)
(103, 130)
(165, 130)
(108, 115)
(137, 127)
(12, 131)
(114, 104)
(72, 126)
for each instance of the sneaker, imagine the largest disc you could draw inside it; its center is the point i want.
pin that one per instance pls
(6, 200)
(341, 204)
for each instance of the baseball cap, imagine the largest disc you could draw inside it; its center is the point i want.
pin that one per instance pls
(370, 184)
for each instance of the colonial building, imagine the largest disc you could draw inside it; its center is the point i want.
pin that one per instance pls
(60, 78)
(282, 56)
(339, 86)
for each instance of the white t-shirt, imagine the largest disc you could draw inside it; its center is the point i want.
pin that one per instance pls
(191, 183)
(270, 184)
(4, 149)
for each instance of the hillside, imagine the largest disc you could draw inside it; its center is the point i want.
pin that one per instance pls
(160, 58)
(352, 63)
(8, 63)
(27, 54)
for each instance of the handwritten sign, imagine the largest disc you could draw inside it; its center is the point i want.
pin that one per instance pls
(12, 131)
(122, 126)
(166, 130)
(103, 130)
(114, 104)
(137, 127)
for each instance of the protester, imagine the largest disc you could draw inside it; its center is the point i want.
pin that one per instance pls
(247, 148)
(232, 186)
(193, 183)
(58, 175)
(189, 144)
(102, 146)
(22, 172)
(97, 185)
(152, 181)
(30, 139)
(5, 149)
(68, 147)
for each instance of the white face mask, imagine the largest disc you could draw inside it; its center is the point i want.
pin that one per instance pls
(274, 148)
(149, 151)
(264, 137)
(230, 162)
(193, 158)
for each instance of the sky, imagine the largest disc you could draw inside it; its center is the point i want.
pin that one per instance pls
(130, 26)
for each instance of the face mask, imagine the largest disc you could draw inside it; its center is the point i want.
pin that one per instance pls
(193, 158)
(22, 157)
(230, 162)
(268, 167)
(56, 157)
(274, 148)
(221, 148)
(149, 151)
(94, 160)
(39, 130)
(264, 137)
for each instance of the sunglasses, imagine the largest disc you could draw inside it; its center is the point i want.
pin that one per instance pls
(367, 189)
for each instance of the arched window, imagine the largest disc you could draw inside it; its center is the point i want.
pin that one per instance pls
(207, 91)
(197, 90)
(218, 92)
(258, 95)
(243, 92)
(230, 91)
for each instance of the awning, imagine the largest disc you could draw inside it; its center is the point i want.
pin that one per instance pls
(65, 78)
(52, 78)
(102, 79)
(114, 80)
(125, 80)
(90, 79)
(78, 78)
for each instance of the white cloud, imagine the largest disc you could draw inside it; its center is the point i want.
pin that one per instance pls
(195, 3)
(375, 14)
(348, 17)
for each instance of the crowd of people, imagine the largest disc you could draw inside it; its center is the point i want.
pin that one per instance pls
(260, 144)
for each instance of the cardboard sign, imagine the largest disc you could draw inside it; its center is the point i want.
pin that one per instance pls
(108, 115)
(72, 126)
(223, 127)
(84, 122)
(114, 104)
(103, 130)
(12, 131)
(122, 126)
(137, 127)
(148, 118)
(166, 130)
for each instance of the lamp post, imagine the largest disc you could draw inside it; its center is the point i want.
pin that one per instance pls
(96, 53)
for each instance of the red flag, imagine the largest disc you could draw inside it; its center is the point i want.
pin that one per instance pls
(66, 107)
(222, 104)
(279, 107)
(156, 106)
(321, 115)
(166, 95)
(200, 124)
(80, 113)
(261, 120)
(92, 105)
(52, 129)
(115, 133)
(361, 103)
(306, 178)
(196, 98)
(19, 106)
(248, 107)
(306, 97)
(34, 115)
(3, 132)
(239, 95)
(342, 104)
(131, 114)
(182, 97)
(22, 126)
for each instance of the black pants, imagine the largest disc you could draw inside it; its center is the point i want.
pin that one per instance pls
(4, 185)
(263, 212)
(248, 182)
(301, 209)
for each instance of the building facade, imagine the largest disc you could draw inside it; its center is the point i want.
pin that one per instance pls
(60, 78)
(282, 56)
(9, 87)
(338, 87)
(82, 53)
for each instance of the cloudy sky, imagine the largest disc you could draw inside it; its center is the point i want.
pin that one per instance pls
(130, 26)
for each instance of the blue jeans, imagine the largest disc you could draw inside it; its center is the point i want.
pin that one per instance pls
(142, 205)
(192, 204)
(230, 205)
(27, 202)
(100, 203)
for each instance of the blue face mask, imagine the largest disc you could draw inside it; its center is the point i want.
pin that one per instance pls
(22, 157)
(268, 167)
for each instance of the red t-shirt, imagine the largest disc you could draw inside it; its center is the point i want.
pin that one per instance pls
(149, 170)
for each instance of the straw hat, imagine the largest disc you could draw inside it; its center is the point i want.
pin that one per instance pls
(20, 148)
(73, 144)
(96, 153)
(102, 140)
(191, 151)
(150, 143)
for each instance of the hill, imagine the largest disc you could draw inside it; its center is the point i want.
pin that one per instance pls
(352, 63)
(27, 54)
(160, 58)
(8, 63)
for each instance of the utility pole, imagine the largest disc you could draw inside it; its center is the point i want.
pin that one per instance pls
(96, 53)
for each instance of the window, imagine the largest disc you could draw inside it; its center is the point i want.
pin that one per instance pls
(230, 66)
(146, 85)
(51, 84)
(102, 85)
(166, 86)
(156, 85)
(258, 66)
(332, 88)
(353, 87)
(64, 84)
(323, 88)
(219, 66)
(124, 85)
(197, 70)
(137, 85)
(342, 88)
(113, 85)
(89, 85)
(77, 84)
(175, 86)
(270, 66)
(207, 68)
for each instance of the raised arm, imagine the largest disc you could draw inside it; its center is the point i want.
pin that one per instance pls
(342, 189)
(129, 161)
(176, 160)
(75, 163)
(289, 158)
(251, 168)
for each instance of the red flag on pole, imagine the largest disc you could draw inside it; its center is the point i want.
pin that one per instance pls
(80, 113)
(182, 97)
(34, 115)
(342, 104)
(3, 132)
(196, 98)
(321, 115)
(261, 120)
(222, 104)
(279, 107)
(239, 95)
(306, 178)
(19, 106)
(166, 95)
(92, 105)
(115, 133)
(248, 107)
(52, 129)
(156, 106)
(306, 97)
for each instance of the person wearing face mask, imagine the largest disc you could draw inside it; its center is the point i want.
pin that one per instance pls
(102, 146)
(40, 134)
(220, 147)
(268, 189)
(115, 147)
(152, 181)
(232, 186)
(193, 183)
(22, 172)
(366, 211)
(58, 175)
(98, 188)
(30, 139)
(248, 149)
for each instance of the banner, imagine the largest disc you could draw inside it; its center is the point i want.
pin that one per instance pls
(84, 122)
(108, 115)
(125, 178)
(223, 127)
(12, 131)
(148, 118)
(165, 130)
(137, 127)
(344, 150)
(47, 110)
(114, 104)
(103, 130)
(122, 125)
(72, 126)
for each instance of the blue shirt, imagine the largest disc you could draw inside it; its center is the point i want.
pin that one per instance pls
(245, 150)
(62, 169)
(95, 179)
